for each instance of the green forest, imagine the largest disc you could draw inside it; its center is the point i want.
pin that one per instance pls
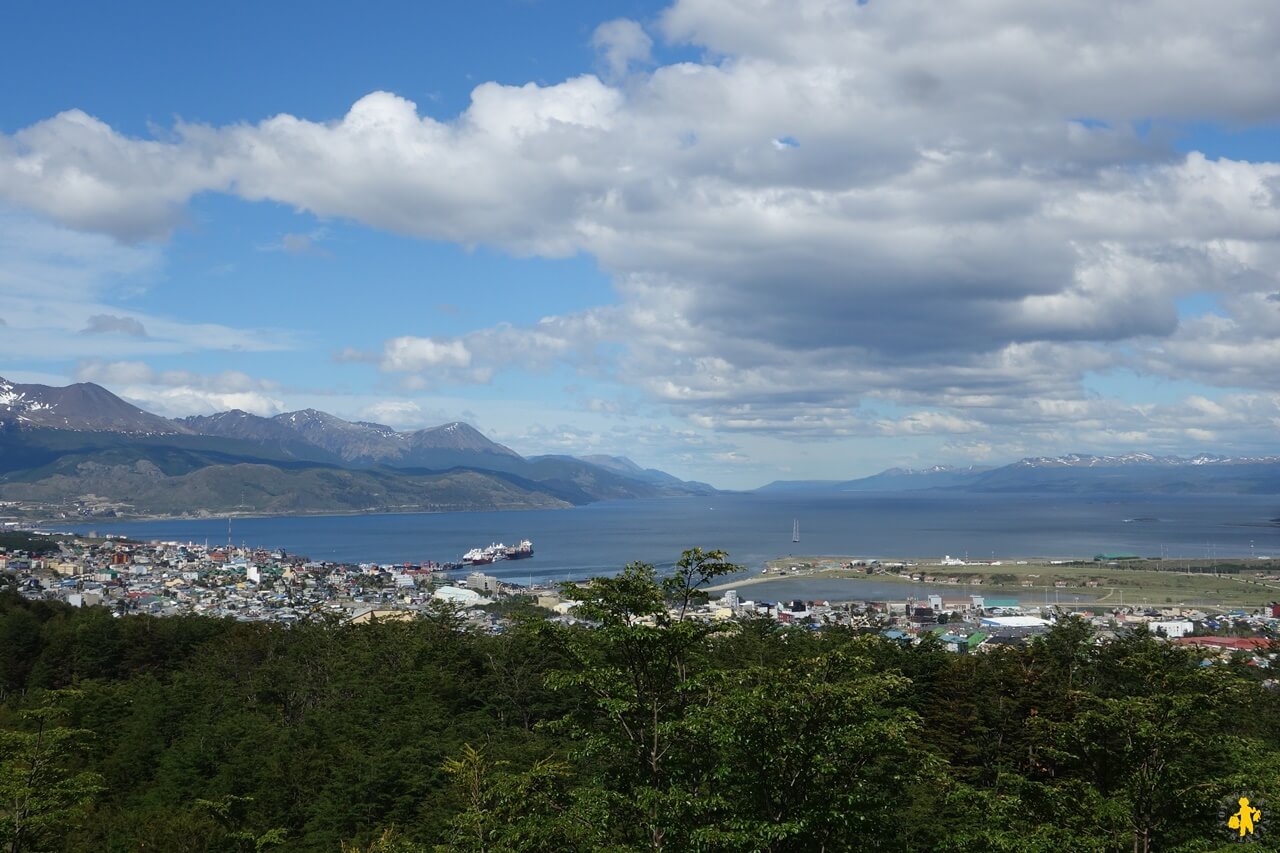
(640, 731)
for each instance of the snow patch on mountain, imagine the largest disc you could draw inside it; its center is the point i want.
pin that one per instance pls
(1082, 460)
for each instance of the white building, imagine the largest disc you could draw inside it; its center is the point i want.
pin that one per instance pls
(460, 596)
(1172, 628)
(481, 582)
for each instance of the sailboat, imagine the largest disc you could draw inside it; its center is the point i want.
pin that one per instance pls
(795, 530)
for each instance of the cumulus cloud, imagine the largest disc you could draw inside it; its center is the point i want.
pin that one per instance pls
(397, 413)
(620, 43)
(185, 400)
(413, 355)
(103, 324)
(954, 208)
(176, 393)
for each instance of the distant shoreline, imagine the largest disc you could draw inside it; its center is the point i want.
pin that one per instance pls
(137, 519)
(1171, 581)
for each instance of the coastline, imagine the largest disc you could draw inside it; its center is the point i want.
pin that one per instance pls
(1219, 583)
(345, 513)
(320, 513)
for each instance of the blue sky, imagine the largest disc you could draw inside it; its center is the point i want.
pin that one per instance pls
(739, 240)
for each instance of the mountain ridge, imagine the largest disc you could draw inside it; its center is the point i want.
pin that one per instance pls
(1136, 471)
(81, 446)
(81, 406)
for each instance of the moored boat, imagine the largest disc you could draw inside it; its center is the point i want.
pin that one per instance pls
(520, 551)
(497, 551)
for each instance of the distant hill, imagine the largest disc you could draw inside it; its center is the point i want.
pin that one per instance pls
(144, 488)
(624, 466)
(890, 480)
(1132, 473)
(81, 449)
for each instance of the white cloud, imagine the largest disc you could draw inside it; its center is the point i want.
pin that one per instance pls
(52, 263)
(956, 207)
(180, 401)
(928, 423)
(176, 393)
(413, 355)
(396, 413)
(61, 290)
(621, 43)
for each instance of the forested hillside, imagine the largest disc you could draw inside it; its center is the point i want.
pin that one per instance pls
(644, 732)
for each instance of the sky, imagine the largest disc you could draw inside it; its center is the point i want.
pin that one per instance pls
(739, 240)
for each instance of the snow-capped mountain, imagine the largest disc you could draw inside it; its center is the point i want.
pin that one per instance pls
(1081, 460)
(82, 407)
(63, 447)
(1131, 473)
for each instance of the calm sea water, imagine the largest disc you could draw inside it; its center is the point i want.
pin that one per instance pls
(603, 537)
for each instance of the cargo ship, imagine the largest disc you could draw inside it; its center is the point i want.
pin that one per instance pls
(521, 551)
(498, 551)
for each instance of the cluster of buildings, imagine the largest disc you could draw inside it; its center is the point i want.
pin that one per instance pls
(252, 584)
(247, 584)
(979, 623)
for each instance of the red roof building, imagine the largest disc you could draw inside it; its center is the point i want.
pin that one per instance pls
(1243, 644)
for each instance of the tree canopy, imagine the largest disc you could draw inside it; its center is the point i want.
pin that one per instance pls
(640, 729)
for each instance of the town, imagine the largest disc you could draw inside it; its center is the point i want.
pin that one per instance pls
(259, 585)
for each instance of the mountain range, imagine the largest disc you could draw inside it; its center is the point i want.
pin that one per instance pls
(81, 450)
(1072, 473)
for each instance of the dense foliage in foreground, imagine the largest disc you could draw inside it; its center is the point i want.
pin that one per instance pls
(645, 732)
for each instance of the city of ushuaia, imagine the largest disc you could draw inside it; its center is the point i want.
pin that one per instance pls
(722, 426)
(996, 600)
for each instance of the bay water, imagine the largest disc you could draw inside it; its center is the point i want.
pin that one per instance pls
(601, 538)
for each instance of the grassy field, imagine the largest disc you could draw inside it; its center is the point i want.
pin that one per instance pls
(1136, 582)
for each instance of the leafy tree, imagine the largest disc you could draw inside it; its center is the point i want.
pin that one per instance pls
(42, 793)
(693, 571)
(532, 810)
(816, 756)
(230, 812)
(637, 672)
(390, 841)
